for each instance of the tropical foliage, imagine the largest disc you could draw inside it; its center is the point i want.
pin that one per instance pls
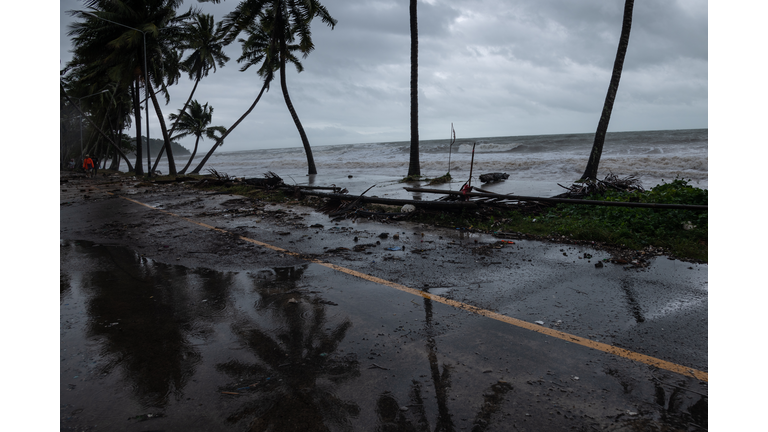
(207, 51)
(132, 43)
(195, 121)
(276, 29)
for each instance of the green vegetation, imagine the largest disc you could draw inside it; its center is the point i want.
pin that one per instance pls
(440, 180)
(122, 47)
(412, 178)
(682, 232)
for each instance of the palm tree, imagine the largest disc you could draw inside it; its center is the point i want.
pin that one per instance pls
(206, 44)
(195, 122)
(272, 46)
(286, 24)
(113, 38)
(414, 167)
(164, 57)
(253, 53)
(590, 173)
(96, 44)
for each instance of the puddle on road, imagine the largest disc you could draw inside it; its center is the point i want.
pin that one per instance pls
(198, 349)
(141, 338)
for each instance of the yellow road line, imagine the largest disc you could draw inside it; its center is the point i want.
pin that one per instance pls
(610, 349)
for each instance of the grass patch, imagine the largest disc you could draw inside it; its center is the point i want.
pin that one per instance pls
(412, 178)
(430, 181)
(440, 180)
(682, 232)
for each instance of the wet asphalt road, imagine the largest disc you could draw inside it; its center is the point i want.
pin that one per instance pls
(170, 325)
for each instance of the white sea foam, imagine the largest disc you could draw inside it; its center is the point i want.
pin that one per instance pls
(486, 147)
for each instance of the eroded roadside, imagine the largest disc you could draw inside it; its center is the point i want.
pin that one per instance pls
(392, 360)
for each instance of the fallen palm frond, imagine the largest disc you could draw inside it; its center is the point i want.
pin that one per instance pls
(598, 187)
(270, 181)
(218, 175)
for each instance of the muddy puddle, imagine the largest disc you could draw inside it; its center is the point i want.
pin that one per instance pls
(142, 340)
(151, 346)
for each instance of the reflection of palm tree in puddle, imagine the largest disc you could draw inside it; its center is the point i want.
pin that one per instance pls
(675, 403)
(65, 284)
(144, 313)
(295, 371)
(393, 418)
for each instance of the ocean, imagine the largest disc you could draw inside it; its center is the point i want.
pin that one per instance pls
(536, 164)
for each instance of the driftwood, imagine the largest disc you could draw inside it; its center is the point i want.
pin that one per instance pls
(176, 180)
(493, 177)
(438, 205)
(520, 198)
(351, 206)
(330, 188)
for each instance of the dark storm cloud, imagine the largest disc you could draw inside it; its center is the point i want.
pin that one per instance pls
(492, 67)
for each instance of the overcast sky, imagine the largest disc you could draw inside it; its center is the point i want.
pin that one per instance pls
(490, 67)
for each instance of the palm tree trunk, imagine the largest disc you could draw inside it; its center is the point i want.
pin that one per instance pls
(137, 115)
(166, 137)
(441, 382)
(173, 127)
(590, 173)
(414, 168)
(194, 151)
(231, 128)
(304, 140)
(115, 162)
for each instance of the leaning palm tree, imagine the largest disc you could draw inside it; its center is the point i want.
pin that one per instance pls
(195, 121)
(207, 51)
(286, 24)
(590, 173)
(254, 52)
(272, 26)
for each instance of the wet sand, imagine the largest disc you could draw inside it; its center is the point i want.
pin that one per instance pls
(173, 319)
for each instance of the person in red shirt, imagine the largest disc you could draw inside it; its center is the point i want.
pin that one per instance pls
(88, 165)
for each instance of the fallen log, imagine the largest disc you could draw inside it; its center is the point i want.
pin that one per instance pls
(444, 205)
(564, 200)
(175, 180)
(332, 188)
(351, 206)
